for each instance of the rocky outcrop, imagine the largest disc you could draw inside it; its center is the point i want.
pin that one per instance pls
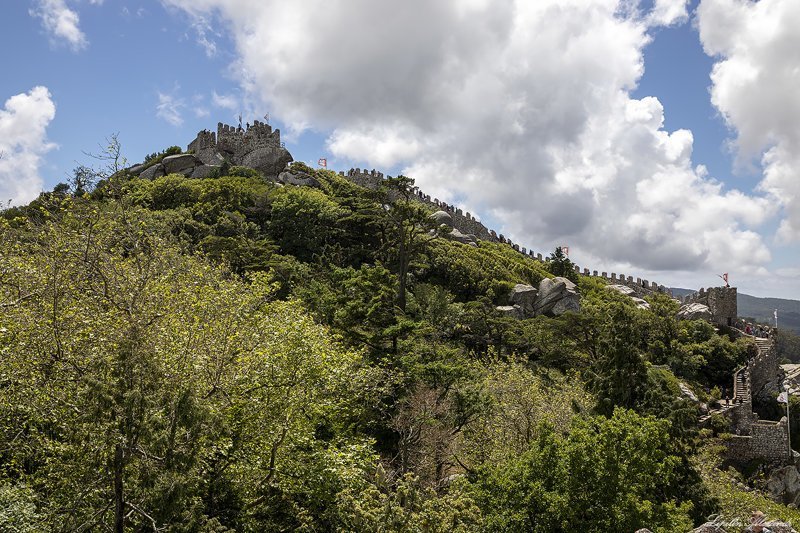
(511, 311)
(627, 291)
(442, 217)
(556, 297)
(153, 172)
(735, 526)
(457, 236)
(524, 296)
(694, 311)
(205, 171)
(186, 164)
(784, 485)
(269, 160)
(180, 164)
(290, 177)
(553, 297)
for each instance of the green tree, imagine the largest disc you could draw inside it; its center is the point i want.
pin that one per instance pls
(408, 231)
(560, 265)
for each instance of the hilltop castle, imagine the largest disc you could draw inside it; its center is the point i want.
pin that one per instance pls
(257, 146)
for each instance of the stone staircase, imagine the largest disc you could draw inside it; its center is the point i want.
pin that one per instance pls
(741, 378)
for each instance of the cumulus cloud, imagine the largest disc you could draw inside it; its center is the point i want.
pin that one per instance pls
(61, 22)
(23, 140)
(668, 12)
(755, 82)
(518, 110)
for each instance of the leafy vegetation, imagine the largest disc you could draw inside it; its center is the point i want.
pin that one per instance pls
(228, 354)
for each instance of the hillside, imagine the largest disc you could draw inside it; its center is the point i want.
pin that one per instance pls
(244, 351)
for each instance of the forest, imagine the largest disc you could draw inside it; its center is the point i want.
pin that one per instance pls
(231, 354)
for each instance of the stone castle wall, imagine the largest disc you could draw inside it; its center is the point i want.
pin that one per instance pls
(467, 224)
(721, 301)
(767, 440)
(257, 146)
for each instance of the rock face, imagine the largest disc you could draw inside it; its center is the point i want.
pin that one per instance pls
(784, 485)
(269, 160)
(627, 291)
(180, 164)
(205, 171)
(153, 172)
(443, 217)
(298, 178)
(622, 289)
(721, 527)
(694, 311)
(513, 311)
(457, 236)
(556, 297)
(524, 296)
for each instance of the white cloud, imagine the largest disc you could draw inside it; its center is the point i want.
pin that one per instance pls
(518, 109)
(170, 107)
(225, 101)
(755, 82)
(23, 140)
(668, 12)
(61, 22)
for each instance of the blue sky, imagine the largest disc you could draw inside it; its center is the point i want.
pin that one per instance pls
(560, 123)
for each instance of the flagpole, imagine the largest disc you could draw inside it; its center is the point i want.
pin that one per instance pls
(788, 423)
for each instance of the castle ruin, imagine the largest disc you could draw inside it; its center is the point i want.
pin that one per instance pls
(257, 146)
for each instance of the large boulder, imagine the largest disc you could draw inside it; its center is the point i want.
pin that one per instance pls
(137, 169)
(641, 304)
(622, 289)
(205, 171)
(512, 311)
(524, 296)
(556, 297)
(461, 237)
(269, 160)
(694, 311)
(180, 164)
(298, 178)
(443, 217)
(152, 172)
(784, 485)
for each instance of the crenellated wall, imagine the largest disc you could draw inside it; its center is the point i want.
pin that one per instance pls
(257, 145)
(466, 223)
(721, 301)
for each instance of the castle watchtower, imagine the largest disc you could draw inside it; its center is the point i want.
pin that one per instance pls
(258, 146)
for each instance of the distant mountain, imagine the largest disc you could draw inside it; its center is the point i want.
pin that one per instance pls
(761, 309)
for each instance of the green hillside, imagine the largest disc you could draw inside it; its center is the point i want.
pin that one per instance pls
(233, 354)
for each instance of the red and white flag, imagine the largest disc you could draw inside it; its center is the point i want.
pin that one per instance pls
(783, 397)
(323, 162)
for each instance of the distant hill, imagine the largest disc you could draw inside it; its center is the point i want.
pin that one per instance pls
(761, 309)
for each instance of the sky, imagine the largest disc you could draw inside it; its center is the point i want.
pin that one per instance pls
(655, 138)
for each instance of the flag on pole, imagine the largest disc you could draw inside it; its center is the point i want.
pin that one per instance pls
(323, 162)
(783, 397)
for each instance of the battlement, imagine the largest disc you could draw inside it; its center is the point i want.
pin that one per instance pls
(257, 146)
(721, 301)
(466, 223)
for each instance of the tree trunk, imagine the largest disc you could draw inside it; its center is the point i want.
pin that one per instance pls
(119, 501)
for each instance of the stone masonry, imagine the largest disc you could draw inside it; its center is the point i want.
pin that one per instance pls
(257, 146)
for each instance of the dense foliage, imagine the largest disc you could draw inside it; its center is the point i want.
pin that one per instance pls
(228, 354)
